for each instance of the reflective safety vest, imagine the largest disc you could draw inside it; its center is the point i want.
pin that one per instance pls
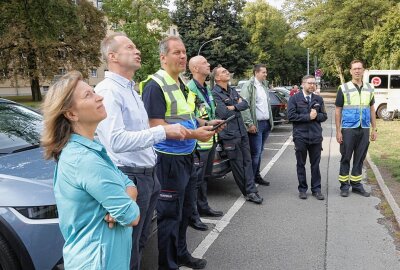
(204, 111)
(356, 108)
(179, 110)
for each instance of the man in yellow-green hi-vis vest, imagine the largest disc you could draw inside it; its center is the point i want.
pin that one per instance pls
(205, 109)
(168, 100)
(354, 115)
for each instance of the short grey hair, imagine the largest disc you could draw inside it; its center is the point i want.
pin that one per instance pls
(109, 44)
(212, 76)
(164, 44)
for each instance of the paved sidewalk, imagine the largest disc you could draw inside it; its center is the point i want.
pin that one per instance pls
(355, 239)
(288, 233)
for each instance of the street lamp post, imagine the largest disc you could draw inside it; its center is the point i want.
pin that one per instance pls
(208, 42)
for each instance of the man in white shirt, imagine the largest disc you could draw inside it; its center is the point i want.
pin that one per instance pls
(126, 133)
(258, 118)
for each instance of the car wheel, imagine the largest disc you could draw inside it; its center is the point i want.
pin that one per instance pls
(8, 259)
(382, 111)
(389, 116)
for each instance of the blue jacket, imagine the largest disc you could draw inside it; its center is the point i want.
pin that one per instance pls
(305, 129)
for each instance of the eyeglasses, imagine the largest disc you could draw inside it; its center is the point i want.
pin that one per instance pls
(313, 83)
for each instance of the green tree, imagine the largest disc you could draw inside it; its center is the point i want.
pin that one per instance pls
(38, 37)
(335, 30)
(144, 21)
(201, 21)
(274, 43)
(382, 48)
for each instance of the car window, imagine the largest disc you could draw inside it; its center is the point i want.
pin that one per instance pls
(19, 127)
(395, 82)
(273, 98)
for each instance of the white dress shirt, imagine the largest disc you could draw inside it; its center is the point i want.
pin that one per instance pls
(262, 111)
(125, 132)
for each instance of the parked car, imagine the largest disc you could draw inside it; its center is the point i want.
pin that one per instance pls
(240, 85)
(287, 87)
(30, 237)
(283, 91)
(279, 107)
(221, 165)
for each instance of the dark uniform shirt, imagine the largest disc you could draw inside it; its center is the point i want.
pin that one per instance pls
(230, 97)
(204, 91)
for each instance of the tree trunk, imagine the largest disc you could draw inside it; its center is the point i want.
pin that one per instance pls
(35, 88)
(340, 73)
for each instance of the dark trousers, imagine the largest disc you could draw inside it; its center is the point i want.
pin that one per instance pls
(257, 142)
(148, 191)
(177, 177)
(355, 144)
(238, 152)
(314, 150)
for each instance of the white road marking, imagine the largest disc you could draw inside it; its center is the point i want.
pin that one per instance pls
(210, 221)
(224, 221)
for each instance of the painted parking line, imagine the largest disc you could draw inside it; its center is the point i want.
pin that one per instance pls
(209, 221)
(225, 220)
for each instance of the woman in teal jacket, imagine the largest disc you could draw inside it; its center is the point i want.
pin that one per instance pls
(95, 201)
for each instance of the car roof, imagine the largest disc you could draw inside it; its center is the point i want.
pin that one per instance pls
(3, 100)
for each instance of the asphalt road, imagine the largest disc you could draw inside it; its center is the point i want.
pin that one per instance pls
(286, 232)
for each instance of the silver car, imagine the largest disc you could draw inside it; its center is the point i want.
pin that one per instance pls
(30, 237)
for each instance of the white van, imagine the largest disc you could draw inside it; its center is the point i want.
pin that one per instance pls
(387, 90)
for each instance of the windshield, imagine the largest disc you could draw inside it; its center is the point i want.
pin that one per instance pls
(20, 128)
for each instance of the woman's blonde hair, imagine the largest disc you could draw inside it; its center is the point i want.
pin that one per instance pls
(57, 128)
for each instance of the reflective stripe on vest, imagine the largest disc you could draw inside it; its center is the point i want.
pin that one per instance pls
(356, 108)
(204, 112)
(178, 108)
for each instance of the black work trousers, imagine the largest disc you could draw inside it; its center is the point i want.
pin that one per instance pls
(177, 177)
(148, 189)
(238, 152)
(203, 172)
(355, 144)
(314, 151)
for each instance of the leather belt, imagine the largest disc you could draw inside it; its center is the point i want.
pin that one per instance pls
(136, 170)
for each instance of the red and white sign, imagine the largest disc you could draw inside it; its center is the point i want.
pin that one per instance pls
(318, 72)
(376, 81)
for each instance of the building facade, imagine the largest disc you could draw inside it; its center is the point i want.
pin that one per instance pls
(21, 87)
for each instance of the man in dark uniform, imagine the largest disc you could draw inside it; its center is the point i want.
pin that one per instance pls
(354, 115)
(234, 136)
(168, 100)
(306, 111)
